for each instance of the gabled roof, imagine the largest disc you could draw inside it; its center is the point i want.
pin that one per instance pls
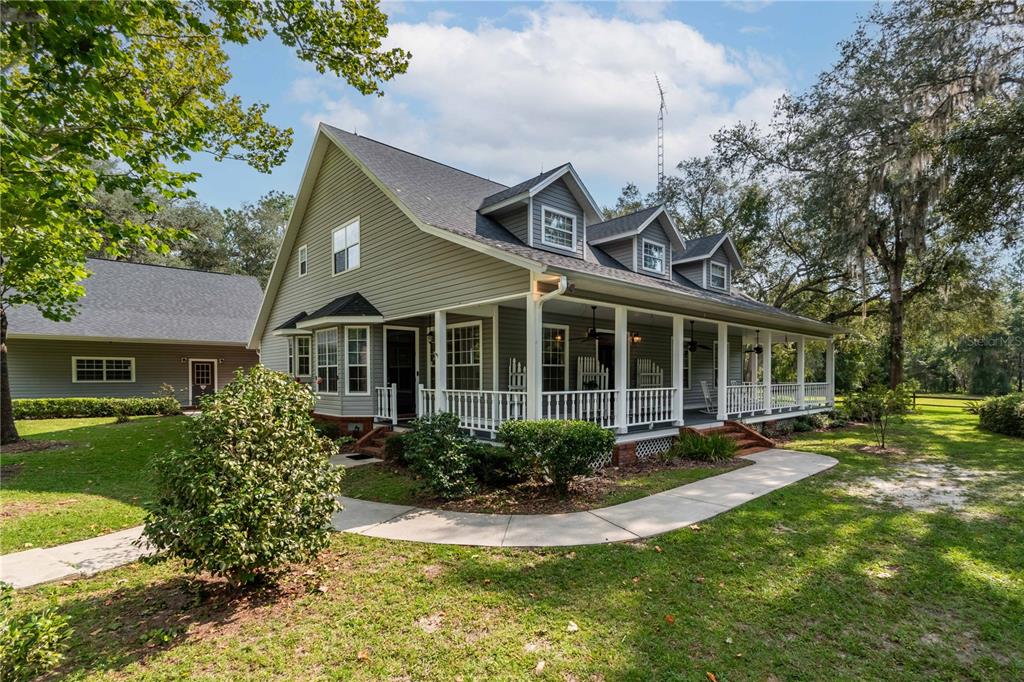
(349, 305)
(522, 188)
(528, 188)
(291, 322)
(700, 248)
(140, 302)
(633, 224)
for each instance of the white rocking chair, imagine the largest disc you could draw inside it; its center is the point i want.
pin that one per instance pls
(709, 404)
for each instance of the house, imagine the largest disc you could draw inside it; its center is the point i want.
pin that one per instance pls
(545, 308)
(141, 330)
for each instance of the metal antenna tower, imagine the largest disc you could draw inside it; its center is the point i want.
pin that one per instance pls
(661, 136)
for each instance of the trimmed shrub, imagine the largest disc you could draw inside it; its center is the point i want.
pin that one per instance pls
(711, 448)
(30, 644)
(394, 449)
(561, 450)
(256, 492)
(498, 467)
(1004, 414)
(438, 451)
(67, 408)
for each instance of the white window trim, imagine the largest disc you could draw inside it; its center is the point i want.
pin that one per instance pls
(565, 355)
(367, 365)
(711, 275)
(430, 356)
(354, 221)
(74, 370)
(543, 233)
(293, 349)
(216, 376)
(315, 353)
(304, 259)
(664, 252)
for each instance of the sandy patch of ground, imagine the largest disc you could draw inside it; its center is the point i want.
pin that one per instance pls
(922, 486)
(26, 445)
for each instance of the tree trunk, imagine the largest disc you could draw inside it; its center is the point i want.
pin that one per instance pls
(896, 336)
(8, 430)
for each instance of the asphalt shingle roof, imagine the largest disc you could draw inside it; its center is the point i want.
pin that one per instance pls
(137, 301)
(349, 305)
(292, 321)
(621, 225)
(448, 198)
(700, 247)
(520, 188)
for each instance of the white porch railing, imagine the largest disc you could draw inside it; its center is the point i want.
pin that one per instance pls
(785, 396)
(592, 406)
(744, 398)
(486, 410)
(816, 394)
(387, 403)
(426, 402)
(649, 405)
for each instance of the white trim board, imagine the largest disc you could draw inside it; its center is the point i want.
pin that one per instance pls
(216, 377)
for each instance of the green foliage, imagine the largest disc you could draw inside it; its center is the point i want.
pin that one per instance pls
(256, 491)
(498, 467)
(1004, 414)
(438, 450)
(710, 448)
(880, 407)
(65, 408)
(561, 450)
(394, 448)
(29, 644)
(327, 429)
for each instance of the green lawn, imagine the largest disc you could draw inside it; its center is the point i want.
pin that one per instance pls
(807, 583)
(95, 485)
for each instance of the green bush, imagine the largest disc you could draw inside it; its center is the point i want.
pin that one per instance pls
(498, 467)
(880, 407)
(438, 450)
(711, 448)
(66, 408)
(561, 450)
(803, 425)
(327, 429)
(394, 449)
(29, 644)
(256, 492)
(1004, 414)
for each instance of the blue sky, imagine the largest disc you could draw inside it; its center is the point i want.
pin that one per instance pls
(506, 90)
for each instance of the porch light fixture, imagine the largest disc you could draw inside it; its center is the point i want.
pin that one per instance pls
(558, 336)
(430, 336)
(635, 337)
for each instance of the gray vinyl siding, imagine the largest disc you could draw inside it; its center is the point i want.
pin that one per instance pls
(403, 271)
(557, 196)
(516, 220)
(622, 251)
(692, 271)
(42, 368)
(653, 233)
(719, 256)
(656, 344)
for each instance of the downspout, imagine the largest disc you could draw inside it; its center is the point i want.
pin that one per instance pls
(563, 285)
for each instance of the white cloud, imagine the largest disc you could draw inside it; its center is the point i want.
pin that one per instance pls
(644, 9)
(564, 84)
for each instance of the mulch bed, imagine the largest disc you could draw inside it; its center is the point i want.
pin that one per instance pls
(25, 445)
(532, 497)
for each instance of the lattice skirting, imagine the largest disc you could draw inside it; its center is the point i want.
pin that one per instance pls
(652, 447)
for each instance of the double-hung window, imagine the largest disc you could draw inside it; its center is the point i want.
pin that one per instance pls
(559, 229)
(554, 360)
(464, 356)
(327, 361)
(654, 257)
(299, 356)
(717, 275)
(345, 246)
(357, 360)
(102, 370)
(303, 260)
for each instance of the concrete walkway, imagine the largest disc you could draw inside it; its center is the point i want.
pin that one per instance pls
(660, 513)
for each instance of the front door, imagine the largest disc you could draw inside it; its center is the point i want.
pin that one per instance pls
(202, 379)
(401, 364)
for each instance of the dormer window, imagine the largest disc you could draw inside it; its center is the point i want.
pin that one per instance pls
(654, 257)
(717, 276)
(559, 229)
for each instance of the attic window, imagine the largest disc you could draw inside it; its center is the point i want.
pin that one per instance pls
(559, 229)
(654, 257)
(718, 276)
(345, 241)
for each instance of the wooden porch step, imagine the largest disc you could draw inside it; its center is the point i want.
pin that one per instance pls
(747, 439)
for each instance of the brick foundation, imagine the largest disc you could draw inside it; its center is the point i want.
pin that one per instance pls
(354, 426)
(624, 454)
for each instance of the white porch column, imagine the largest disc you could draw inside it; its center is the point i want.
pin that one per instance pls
(441, 361)
(801, 348)
(723, 369)
(678, 368)
(830, 370)
(767, 371)
(534, 373)
(621, 369)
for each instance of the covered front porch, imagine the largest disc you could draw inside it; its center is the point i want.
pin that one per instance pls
(627, 368)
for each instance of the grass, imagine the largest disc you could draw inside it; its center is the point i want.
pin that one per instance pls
(94, 485)
(807, 583)
(381, 483)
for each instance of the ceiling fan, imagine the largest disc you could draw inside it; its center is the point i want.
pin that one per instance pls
(592, 334)
(692, 345)
(758, 348)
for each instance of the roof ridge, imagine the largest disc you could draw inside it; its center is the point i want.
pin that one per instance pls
(419, 156)
(170, 267)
